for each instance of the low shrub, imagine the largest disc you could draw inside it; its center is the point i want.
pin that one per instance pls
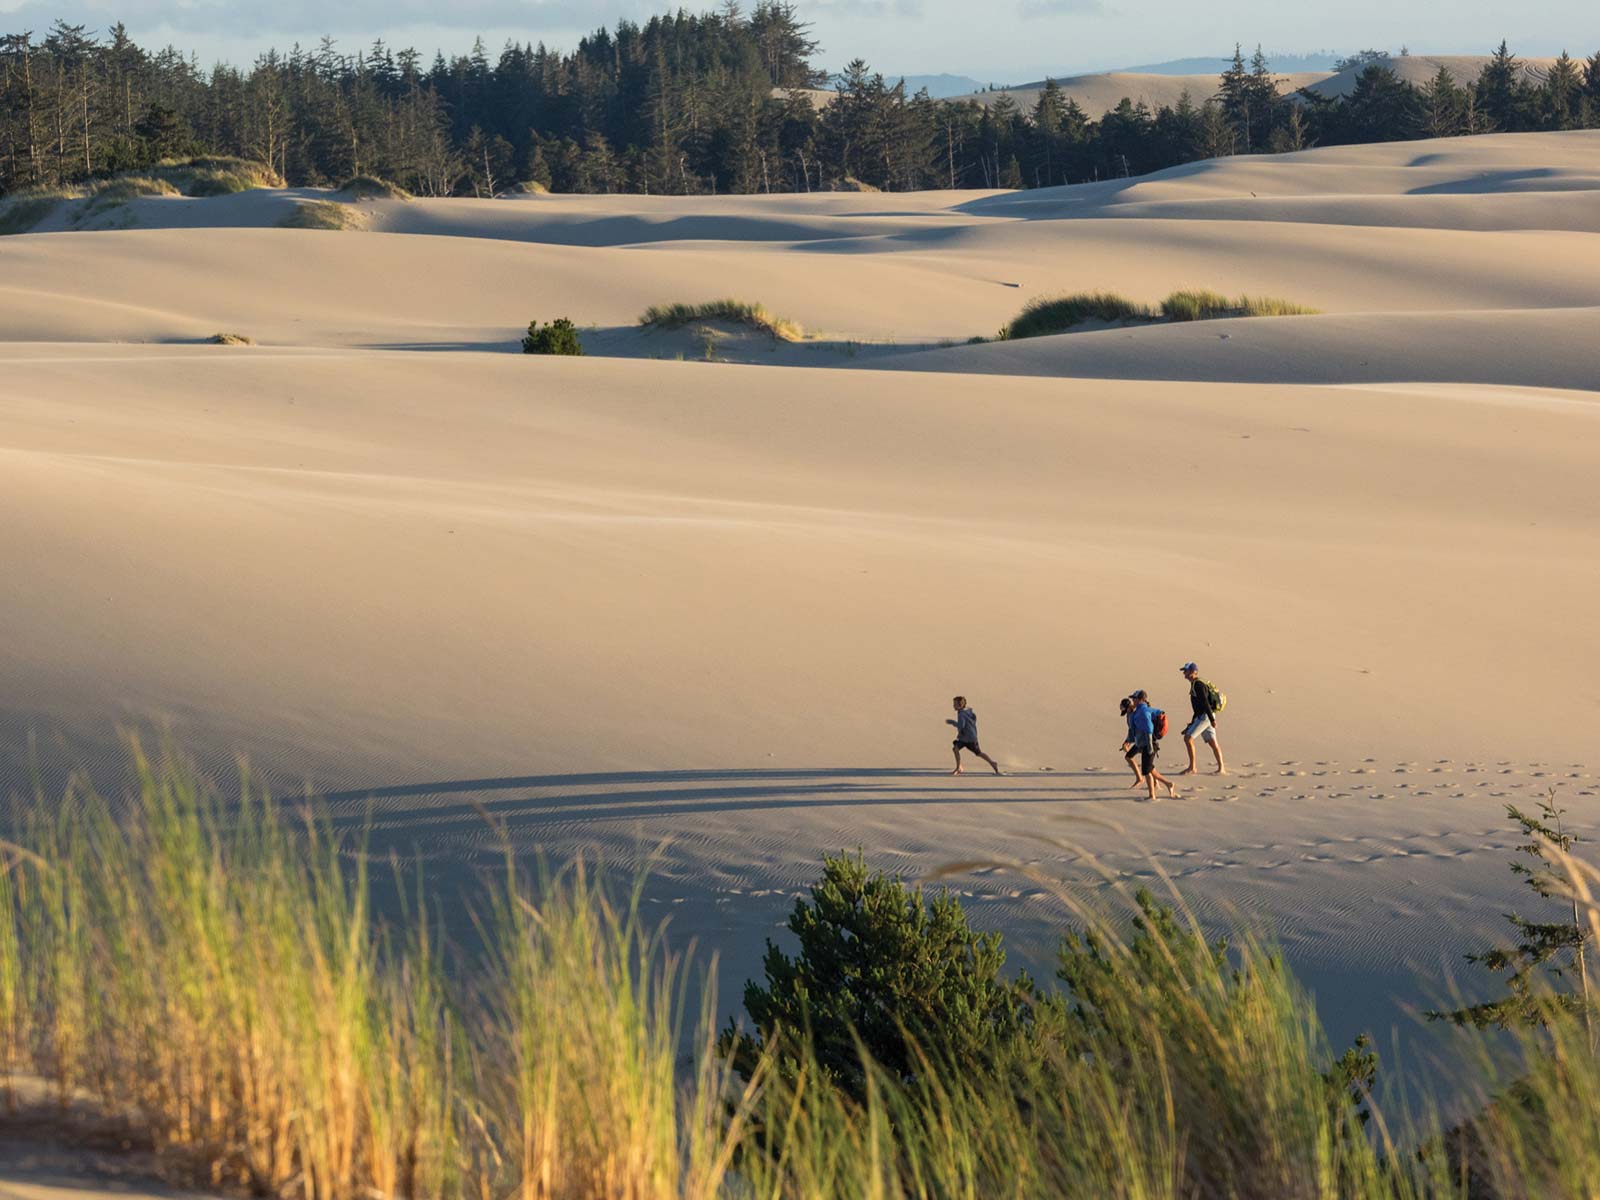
(231, 339)
(371, 187)
(558, 337)
(125, 188)
(734, 312)
(1055, 314)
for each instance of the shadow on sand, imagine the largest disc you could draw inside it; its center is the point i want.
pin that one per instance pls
(646, 795)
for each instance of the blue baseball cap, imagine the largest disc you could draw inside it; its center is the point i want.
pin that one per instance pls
(1187, 667)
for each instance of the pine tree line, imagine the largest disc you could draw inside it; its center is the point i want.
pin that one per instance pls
(686, 103)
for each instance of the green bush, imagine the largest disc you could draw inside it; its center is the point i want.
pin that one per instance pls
(558, 337)
(885, 971)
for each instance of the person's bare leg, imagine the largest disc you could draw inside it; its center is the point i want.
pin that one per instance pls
(1188, 744)
(1216, 748)
(1157, 777)
(957, 753)
(990, 761)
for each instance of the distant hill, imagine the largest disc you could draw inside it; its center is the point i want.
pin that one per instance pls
(940, 86)
(1287, 63)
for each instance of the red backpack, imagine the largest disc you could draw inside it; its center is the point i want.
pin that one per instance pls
(1159, 718)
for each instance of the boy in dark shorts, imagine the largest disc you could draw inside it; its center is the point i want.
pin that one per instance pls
(966, 723)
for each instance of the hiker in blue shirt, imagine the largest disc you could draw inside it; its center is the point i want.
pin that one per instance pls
(1130, 751)
(1144, 723)
(966, 723)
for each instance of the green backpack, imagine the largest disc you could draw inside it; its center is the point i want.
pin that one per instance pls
(1215, 700)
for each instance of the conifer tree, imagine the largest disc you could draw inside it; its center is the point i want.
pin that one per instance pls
(1546, 970)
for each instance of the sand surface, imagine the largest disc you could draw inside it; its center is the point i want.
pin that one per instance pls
(626, 600)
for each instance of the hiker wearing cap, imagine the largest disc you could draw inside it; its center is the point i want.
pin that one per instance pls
(1130, 751)
(1145, 727)
(1207, 703)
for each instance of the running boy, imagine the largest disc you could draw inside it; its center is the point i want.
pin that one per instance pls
(966, 723)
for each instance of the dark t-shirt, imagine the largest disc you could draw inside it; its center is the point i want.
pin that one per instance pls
(1199, 699)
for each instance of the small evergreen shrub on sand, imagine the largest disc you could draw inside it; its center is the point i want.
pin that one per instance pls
(558, 337)
(734, 312)
(882, 969)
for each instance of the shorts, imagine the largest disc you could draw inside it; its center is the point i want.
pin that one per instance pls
(1202, 727)
(1147, 759)
(958, 745)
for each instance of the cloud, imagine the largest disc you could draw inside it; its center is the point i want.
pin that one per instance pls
(1031, 9)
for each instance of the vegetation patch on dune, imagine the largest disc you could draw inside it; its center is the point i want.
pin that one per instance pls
(371, 187)
(1053, 314)
(1206, 306)
(733, 312)
(556, 337)
(20, 213)
(1060, 314)
(231, 339)
(125, 188)
(322, 214)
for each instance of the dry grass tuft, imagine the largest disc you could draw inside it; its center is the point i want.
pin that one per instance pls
(734, 312)
(231, 339)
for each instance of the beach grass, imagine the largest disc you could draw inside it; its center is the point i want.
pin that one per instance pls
(322, 214)
(231, 339)
(733, 312)
(1056, 314)
(211, 967)
(371, 187)
(24, 211)
(1059, 314)
(1206, 306)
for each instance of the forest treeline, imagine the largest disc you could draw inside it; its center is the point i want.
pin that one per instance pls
(684, 103)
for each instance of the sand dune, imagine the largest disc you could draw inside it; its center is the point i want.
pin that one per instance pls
(620, 599)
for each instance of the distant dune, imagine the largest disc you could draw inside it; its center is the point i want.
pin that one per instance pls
(1097, 94)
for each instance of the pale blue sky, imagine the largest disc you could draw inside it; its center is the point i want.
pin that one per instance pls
(1000, 40)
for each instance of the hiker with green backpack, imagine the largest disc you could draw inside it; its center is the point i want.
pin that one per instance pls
(1207, 703)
